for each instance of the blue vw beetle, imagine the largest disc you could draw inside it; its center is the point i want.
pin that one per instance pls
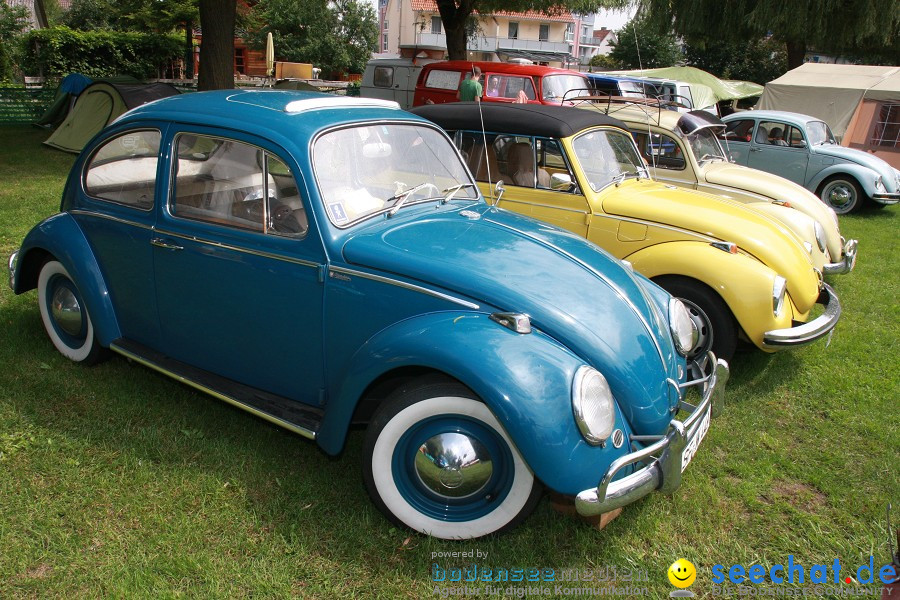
(803, 149)
(318, 261)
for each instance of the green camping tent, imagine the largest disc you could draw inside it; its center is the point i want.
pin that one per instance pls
(98, 105)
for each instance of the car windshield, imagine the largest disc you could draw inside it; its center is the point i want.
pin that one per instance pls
(705, 145)
(608, 156)
(819, 133)
(370, 169)
(555, 87)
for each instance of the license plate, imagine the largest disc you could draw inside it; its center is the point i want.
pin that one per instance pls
(688, 453)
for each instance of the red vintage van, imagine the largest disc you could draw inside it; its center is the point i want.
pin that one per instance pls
(501, 82)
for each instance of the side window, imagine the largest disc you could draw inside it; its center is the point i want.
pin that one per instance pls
(551, 161)
(772, 133)
(443, 80)
(659, 150)
(794, 138)
(123, 170)
(231, 183)
(510, 86)
(515, 156)
(738, 131)
(383, 76)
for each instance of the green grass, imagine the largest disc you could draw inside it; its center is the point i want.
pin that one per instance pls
(118, 482)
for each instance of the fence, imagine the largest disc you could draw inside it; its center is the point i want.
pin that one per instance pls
(19, 105)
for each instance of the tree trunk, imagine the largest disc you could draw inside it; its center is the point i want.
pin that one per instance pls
(454, 19)
(796, 51)
(217, 45)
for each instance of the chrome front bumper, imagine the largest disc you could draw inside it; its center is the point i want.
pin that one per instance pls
(665, 456)
(887, 198)
(11, 264)
(806, 333)
(847, 262)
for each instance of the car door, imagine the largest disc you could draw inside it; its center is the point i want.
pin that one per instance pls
(238, 265)
(120, 197)
(771, 151)
(526, 165)
(736, 139)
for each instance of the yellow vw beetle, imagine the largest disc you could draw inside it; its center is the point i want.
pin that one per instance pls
(741, 273)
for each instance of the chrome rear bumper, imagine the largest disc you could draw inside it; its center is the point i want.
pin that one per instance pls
(665, 458)
(806, 333)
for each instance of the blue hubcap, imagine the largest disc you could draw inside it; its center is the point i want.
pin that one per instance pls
(453, 468)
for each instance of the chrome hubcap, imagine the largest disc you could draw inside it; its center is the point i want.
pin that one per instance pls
(839, 195)
(453, 465)
(66, 310)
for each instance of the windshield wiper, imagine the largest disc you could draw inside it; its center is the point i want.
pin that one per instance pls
(400, 197)
(710, 157)
(451, 191)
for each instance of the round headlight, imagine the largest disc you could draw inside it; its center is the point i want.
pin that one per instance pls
(684, 330)
(593, 405)
(820, 236)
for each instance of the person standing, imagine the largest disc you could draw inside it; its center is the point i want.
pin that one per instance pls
(470, 89)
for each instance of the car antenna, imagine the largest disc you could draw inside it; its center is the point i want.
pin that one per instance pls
(487, 162)
(637, 47)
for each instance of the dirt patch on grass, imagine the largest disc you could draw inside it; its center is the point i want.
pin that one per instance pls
(799, 495)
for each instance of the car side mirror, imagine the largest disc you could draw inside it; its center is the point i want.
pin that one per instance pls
(799, 144)
(561, 182)
(499, 189)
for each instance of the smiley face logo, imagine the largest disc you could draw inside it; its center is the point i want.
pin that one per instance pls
(682, 573)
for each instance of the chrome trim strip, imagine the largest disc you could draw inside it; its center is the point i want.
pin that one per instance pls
(281, 257)
(621, 293)
(664, 472)
(91, 213)
(403, 284)
(700, 236)
(281, 423)
(847, 262)
(574, 210)
(808, 332)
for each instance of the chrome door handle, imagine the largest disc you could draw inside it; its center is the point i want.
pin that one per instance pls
(755, 149)
(161, 243)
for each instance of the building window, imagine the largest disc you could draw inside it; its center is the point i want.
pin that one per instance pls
(436, 25)
(239, 60)
(384, 45)
(513, 31)
(887, 126)
(544, 33)
(385, 28)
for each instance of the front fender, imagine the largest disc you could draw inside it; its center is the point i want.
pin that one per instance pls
(864, 175)
(62, 238)
(525, 379)
(744, 283)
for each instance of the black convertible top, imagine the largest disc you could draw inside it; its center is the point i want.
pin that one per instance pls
(525, 119)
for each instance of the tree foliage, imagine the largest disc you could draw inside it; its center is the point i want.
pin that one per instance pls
(640, 45)
(604, 62)
(759, 60)
(13, 20)
(336, 36)
(834, 26)
(57, 51)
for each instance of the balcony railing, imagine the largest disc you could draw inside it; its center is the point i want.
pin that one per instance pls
(491, 44)
(591, 41)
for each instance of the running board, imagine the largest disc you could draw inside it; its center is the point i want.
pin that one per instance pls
(290, 414)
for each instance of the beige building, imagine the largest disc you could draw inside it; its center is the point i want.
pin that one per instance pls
(541, 38)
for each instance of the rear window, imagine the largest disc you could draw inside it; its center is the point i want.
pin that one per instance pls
(442, 80)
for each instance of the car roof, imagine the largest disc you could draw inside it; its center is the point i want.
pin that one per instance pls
(608, 77)
(528, 119)
(499, 67)
(273, 112)
(772, 114)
